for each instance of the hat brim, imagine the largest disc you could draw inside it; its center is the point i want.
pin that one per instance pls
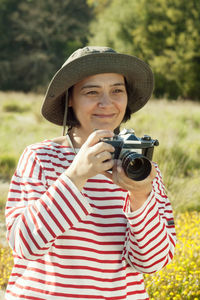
(138, 74)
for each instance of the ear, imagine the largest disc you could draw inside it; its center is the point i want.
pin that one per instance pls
(70, 96)
(70, 103)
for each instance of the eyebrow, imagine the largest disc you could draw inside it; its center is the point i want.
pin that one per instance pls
(87, 86)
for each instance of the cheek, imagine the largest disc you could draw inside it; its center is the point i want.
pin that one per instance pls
(83, 108)
(123, 104)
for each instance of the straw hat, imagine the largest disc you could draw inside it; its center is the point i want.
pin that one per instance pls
(89, 61)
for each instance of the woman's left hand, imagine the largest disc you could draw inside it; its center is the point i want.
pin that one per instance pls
(138, 190)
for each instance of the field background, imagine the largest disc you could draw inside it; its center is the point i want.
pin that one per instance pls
(176, 124)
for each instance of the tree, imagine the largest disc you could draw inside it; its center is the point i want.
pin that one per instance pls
(44, 34)
(165, 33)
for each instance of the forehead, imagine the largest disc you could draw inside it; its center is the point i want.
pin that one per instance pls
(102, 79)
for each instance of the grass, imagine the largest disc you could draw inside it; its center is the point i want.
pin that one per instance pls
(177, 127)
(175, 124)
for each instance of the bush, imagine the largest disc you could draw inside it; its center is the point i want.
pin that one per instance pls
(7, 166)
(13, 106)
(181, 278)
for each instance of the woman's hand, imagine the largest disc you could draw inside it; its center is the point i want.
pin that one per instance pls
(93, 158)
(138, 190)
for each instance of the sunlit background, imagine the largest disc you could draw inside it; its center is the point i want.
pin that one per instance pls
(36, 38)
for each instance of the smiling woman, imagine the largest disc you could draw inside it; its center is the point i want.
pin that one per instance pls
(77, 229)
(99, 102)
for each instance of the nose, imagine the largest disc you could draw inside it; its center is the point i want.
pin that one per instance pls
(105, 100)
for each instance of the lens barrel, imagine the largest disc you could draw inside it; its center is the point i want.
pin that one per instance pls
(135, 165)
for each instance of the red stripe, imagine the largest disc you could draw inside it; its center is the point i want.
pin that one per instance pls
(150, 257)
(100, 181)
(37, 227)
(23, 296)
(67, 202)
(31, 236)
(60, 209)
(114, 198)
(27, 192)
(68, 276)
(100, 189)
(105, 225)
(52, 216)
(27, 246)
(154, 237)
(87, 249)
(100, 216)
(78, 267)
(98, 233)
(74, 196)
(79, 257)
(79, 238)
(25, 183)
(26, 163)
(150, 265)
(81, 286)
(109, 207)
(152, 240)
(44, 222)
(141, 253)
(151, 220)
(32, 168)
(138, 216)
(83, 296)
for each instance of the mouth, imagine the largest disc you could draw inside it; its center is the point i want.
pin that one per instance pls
(104, 116)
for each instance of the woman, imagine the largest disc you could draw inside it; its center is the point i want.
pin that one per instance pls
(77, 230)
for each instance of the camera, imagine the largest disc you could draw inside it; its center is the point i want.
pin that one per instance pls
(135, 153)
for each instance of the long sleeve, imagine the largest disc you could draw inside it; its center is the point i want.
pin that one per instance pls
(150, 237)
(69, 244)
(37, 214)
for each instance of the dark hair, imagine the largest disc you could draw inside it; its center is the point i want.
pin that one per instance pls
(71, 117)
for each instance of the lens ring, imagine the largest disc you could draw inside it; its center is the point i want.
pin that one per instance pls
(135, 165)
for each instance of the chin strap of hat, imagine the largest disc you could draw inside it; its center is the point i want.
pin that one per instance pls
(65, 113)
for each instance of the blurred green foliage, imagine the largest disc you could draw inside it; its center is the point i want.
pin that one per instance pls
(164, 33)
(37, 37)
(7, 166)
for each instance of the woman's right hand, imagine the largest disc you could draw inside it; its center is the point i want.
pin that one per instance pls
(93, 158)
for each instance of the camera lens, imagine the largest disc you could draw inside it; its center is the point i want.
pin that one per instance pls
(135, 165)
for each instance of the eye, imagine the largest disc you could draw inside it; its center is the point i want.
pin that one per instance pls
(118, 90)
(92, 92)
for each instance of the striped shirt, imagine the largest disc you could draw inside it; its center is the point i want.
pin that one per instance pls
(69, 244)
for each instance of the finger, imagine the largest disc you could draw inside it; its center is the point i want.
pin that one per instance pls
(107, 165)
(115, 173)
(97, 135)
(103, 156)
(102, 146)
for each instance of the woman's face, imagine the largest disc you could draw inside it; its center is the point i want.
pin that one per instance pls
(99, 102)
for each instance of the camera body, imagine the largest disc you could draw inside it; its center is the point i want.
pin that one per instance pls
(135, 153)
